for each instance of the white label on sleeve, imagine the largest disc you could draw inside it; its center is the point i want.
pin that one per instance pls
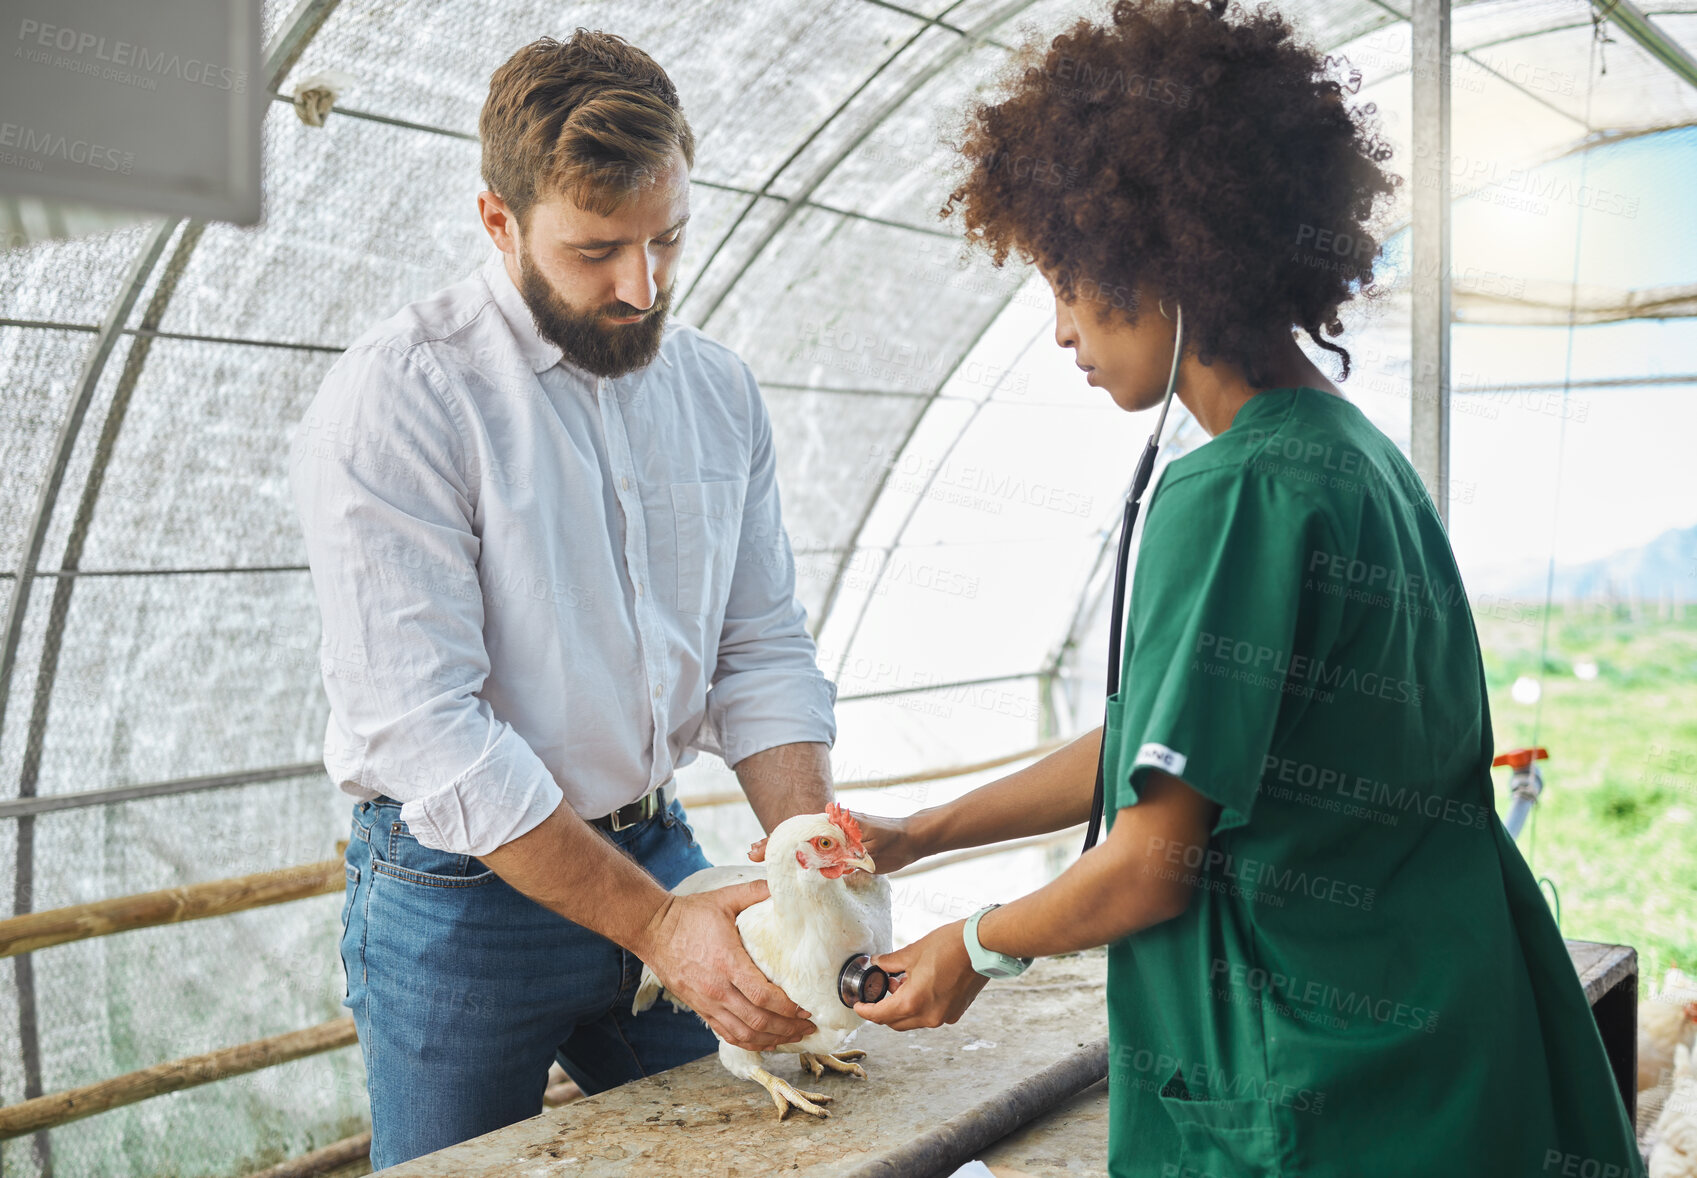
(1162, 757)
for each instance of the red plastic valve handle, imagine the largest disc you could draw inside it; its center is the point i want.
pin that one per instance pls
(1520, 758)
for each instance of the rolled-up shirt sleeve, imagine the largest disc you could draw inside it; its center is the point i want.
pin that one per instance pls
(767, 689)
(379, 473)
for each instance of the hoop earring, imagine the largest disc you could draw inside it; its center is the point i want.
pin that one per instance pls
(1162, 305)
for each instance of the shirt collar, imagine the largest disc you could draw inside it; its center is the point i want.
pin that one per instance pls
(1266, 403)
(540, 353)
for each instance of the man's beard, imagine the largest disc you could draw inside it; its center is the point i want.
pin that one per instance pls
(598, 347)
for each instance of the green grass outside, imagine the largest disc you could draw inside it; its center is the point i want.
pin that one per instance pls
(1615, 830)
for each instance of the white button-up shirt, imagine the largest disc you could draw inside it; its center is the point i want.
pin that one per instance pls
(529, 577)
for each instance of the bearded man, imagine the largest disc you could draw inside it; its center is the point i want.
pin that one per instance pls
(545, 538)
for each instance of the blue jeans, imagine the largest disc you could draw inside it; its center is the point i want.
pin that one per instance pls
(464, 990)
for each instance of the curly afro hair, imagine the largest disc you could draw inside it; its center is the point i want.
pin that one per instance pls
(1197, 157)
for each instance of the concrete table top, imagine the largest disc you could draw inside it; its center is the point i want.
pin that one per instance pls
(934, 1099)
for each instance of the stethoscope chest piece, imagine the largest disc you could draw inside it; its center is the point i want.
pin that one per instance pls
(861, 981)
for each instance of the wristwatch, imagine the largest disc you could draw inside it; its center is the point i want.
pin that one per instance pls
(987, 961)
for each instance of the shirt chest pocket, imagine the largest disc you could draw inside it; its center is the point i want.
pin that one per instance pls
(709, 525)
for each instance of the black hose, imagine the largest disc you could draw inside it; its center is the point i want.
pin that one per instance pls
(1116, 623)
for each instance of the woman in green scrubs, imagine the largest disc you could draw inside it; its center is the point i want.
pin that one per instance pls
(1326, 957)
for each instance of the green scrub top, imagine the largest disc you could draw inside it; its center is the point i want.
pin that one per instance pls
(1367, 980)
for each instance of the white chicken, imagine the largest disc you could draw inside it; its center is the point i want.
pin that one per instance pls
(825, 906)
(1664, 1022)
(1674, 1154)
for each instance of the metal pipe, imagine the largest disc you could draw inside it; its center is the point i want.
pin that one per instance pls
(1632, 21)
(1429, 322)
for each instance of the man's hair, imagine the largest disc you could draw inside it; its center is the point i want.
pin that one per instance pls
(1209, 159)
(592, 119)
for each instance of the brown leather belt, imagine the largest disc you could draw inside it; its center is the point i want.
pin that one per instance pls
(644, 808)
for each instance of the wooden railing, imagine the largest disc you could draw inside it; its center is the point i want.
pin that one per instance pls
(218, 897)
(58, 1108)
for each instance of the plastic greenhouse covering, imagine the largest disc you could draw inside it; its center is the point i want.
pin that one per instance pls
(950, 485)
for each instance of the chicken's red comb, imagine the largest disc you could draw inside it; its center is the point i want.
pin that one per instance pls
(838, 813)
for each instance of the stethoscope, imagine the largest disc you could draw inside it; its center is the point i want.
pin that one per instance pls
(1133, 499)
(861, 981)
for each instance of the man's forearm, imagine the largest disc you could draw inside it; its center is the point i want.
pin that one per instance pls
(565, 865)
(1050, 795)
(691, 941)
(786, 780)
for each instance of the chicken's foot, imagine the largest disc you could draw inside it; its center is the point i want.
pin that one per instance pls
(842, 1061)
(786, 1096)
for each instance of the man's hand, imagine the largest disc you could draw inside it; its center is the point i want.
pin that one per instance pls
(889, 841)
(693, 946)
(939, 982)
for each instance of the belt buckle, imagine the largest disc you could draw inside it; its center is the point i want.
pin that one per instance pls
(649, 804)
(645, 811)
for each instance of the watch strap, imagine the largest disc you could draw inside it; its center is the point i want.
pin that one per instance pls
(987, 961)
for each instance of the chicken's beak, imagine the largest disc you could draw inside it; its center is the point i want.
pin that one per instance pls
(862, 862)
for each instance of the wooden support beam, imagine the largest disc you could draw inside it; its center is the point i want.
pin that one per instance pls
(328, 1160)
(58, 1108)
(218, 897)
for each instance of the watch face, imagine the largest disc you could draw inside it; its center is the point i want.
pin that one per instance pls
(1001, 966)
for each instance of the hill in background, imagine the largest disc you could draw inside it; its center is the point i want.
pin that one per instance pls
(1663, 569)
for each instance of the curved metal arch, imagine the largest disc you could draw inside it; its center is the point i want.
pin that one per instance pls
(913, 508)
(23, 899)
(309, 16)
(974, 38)
(280, 57)
(1632, 21)
(1612, 136)
(47, 668)
(764, 191)
(936, 20)
(1088, 601)
(47, 494)
(1002, 17)
(853, 543)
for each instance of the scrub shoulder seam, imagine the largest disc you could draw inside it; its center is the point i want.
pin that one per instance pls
(1242, 474)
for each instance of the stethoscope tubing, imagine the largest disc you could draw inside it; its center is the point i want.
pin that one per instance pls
(1116, 621)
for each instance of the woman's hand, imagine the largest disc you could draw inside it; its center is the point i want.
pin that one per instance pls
(939, 982)
(889, 841)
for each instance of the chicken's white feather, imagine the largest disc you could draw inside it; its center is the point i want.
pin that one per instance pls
(1674, 1154)
(800, 936)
